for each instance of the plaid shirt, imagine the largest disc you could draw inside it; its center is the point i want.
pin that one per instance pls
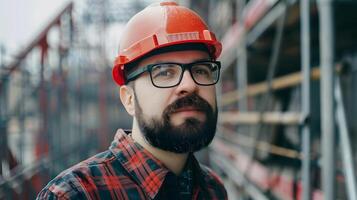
(128, 171)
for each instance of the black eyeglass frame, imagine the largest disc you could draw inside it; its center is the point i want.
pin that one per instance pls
(135, 74)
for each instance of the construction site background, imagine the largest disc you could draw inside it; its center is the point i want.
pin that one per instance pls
(286, 97)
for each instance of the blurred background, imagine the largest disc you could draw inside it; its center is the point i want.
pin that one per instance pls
(287, 95)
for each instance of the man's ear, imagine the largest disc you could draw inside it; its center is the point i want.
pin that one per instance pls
(127, 96)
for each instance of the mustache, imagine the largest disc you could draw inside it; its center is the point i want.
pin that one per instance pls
(192, 100)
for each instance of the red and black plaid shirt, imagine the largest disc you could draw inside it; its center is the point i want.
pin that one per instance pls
(128, 171)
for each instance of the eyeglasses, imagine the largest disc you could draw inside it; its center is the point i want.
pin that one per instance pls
(166, 75)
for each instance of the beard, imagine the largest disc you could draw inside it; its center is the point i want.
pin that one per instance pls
(190, 136)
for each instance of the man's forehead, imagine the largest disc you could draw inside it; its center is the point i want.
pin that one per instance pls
(186, 56)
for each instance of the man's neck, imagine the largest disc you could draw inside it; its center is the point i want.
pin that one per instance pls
(173, 161)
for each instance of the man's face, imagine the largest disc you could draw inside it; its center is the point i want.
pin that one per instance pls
(180, 119)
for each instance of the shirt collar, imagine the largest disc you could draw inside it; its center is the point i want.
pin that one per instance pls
(143, 167)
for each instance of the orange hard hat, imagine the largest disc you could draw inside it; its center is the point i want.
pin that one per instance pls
(161, 25)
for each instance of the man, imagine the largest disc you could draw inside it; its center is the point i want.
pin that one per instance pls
(167, 70)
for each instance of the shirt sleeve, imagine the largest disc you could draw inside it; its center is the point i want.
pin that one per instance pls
(64, 188)
(46, 194)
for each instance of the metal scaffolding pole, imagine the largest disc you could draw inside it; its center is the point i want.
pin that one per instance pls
(237, 176)
(345, 145)
(242, 75)
(327, 101)
(3, 127)
(3, 118)
(305, 56)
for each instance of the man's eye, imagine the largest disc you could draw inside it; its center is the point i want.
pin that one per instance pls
(202, 71)
(164, 73)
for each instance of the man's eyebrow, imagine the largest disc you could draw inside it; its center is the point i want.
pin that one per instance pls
(203, 59)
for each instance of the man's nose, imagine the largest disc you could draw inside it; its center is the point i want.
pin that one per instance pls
(187, 84)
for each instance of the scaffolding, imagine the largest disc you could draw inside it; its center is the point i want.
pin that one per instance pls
(248, 104)
(57, 106)
(286, 99)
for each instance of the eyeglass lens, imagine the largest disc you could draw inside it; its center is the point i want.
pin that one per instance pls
(170, 74)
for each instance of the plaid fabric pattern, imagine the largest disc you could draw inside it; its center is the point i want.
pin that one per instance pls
(128, 171)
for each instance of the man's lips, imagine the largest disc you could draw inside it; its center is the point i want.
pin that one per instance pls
(189, 111)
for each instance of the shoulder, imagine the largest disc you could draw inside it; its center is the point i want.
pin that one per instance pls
(60, 188)
(81, 181)
(214, 183)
